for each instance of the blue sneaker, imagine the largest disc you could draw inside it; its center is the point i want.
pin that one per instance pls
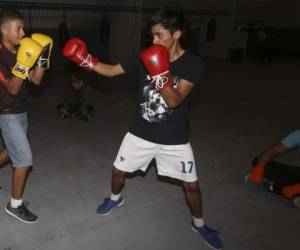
(210, 235)
(108, 204)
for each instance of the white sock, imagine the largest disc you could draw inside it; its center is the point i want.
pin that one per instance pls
(199, 222)
(115, 197)
(15, 203)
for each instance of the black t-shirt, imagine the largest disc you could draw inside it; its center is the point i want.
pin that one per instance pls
(10, 104)
(154, 121)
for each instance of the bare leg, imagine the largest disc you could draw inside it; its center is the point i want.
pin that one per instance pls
(4, 159)
(193, 198)
(117, 184)
(117, 181)
(19, 176)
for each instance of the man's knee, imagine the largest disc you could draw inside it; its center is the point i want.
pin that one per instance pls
(191, 186)
(4, 158)
(118, 173)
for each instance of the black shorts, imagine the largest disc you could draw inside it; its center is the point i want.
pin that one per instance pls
(280, 175)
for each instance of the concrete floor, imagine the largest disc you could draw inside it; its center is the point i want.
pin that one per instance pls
(238, 111)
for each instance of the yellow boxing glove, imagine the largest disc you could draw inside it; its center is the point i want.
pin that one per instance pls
(46, 42)
(27, 55)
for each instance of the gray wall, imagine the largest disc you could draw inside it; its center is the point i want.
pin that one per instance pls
(126, 27)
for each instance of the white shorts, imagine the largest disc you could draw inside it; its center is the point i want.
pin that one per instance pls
(176, 161)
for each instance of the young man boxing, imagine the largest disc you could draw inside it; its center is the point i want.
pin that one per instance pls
(167, 75)
(21, 59)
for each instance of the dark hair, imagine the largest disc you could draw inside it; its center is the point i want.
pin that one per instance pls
(10, 15)
(172, 19)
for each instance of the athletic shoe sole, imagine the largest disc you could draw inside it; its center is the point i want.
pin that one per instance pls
(296, 201)
(13, 215)
(109, 212)
(206, 242)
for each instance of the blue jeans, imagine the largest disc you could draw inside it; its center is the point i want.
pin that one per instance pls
(14, 133)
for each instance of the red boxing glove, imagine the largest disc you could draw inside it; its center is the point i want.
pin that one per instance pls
(75, 49)
(156, 62)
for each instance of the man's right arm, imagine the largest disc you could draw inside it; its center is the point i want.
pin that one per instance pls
(108, 69)
(257, 173)
(28, 52)
(76, 50)
(12, 85)
(292, 140)
(272, 151)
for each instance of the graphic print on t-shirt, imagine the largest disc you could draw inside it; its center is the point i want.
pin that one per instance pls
(154, 107)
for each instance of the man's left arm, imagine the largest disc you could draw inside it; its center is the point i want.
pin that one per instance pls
(156, 61)
(36, 75)
(43, 62)
(173, 97)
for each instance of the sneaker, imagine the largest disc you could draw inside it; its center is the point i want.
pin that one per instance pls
(210, 236)
(251, 183)
(21, 213)
(296, 201)
(108, 204)
(264, 184)
(257, 174)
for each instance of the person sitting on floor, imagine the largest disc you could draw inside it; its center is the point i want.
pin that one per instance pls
(278, 177)
(76, 100)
